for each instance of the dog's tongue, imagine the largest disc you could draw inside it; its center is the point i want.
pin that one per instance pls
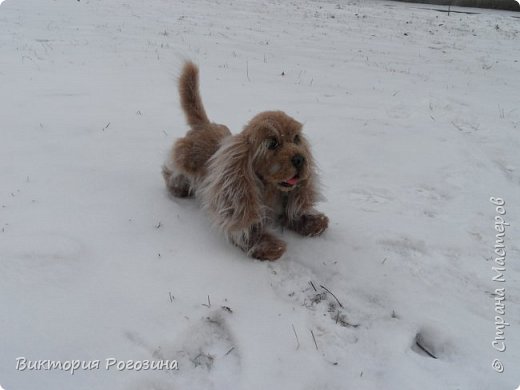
(292, 181)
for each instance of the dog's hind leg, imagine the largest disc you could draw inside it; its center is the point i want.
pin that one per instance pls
(178, 184)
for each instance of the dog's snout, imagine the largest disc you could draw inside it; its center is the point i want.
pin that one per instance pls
(298, 161)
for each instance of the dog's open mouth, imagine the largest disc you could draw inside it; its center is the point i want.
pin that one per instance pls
(291, 182)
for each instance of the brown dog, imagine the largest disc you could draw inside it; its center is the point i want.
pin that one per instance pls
(248, 181)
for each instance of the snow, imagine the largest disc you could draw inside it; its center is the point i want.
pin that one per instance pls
(413, 116)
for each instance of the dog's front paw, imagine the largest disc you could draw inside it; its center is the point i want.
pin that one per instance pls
(310, 225)
(268, 247)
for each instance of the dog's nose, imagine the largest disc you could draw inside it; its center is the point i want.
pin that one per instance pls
(298, 161)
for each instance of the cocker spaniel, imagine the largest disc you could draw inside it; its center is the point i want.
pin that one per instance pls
(249, 181)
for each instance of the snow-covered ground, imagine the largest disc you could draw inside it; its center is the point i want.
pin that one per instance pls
(414, 119)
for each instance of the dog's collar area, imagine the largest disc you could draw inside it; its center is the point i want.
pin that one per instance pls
(285, 202)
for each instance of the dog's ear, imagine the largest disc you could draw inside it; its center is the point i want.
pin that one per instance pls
(230, 191)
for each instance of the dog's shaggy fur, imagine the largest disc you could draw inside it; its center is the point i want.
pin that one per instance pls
(248, 181)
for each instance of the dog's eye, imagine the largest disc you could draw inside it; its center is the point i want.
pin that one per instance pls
(297, 139)
(272, 144)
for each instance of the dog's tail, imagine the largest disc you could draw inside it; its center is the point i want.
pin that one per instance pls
(190, 97)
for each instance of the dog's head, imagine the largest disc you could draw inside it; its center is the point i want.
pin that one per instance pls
(269, 154)
(279, 153)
